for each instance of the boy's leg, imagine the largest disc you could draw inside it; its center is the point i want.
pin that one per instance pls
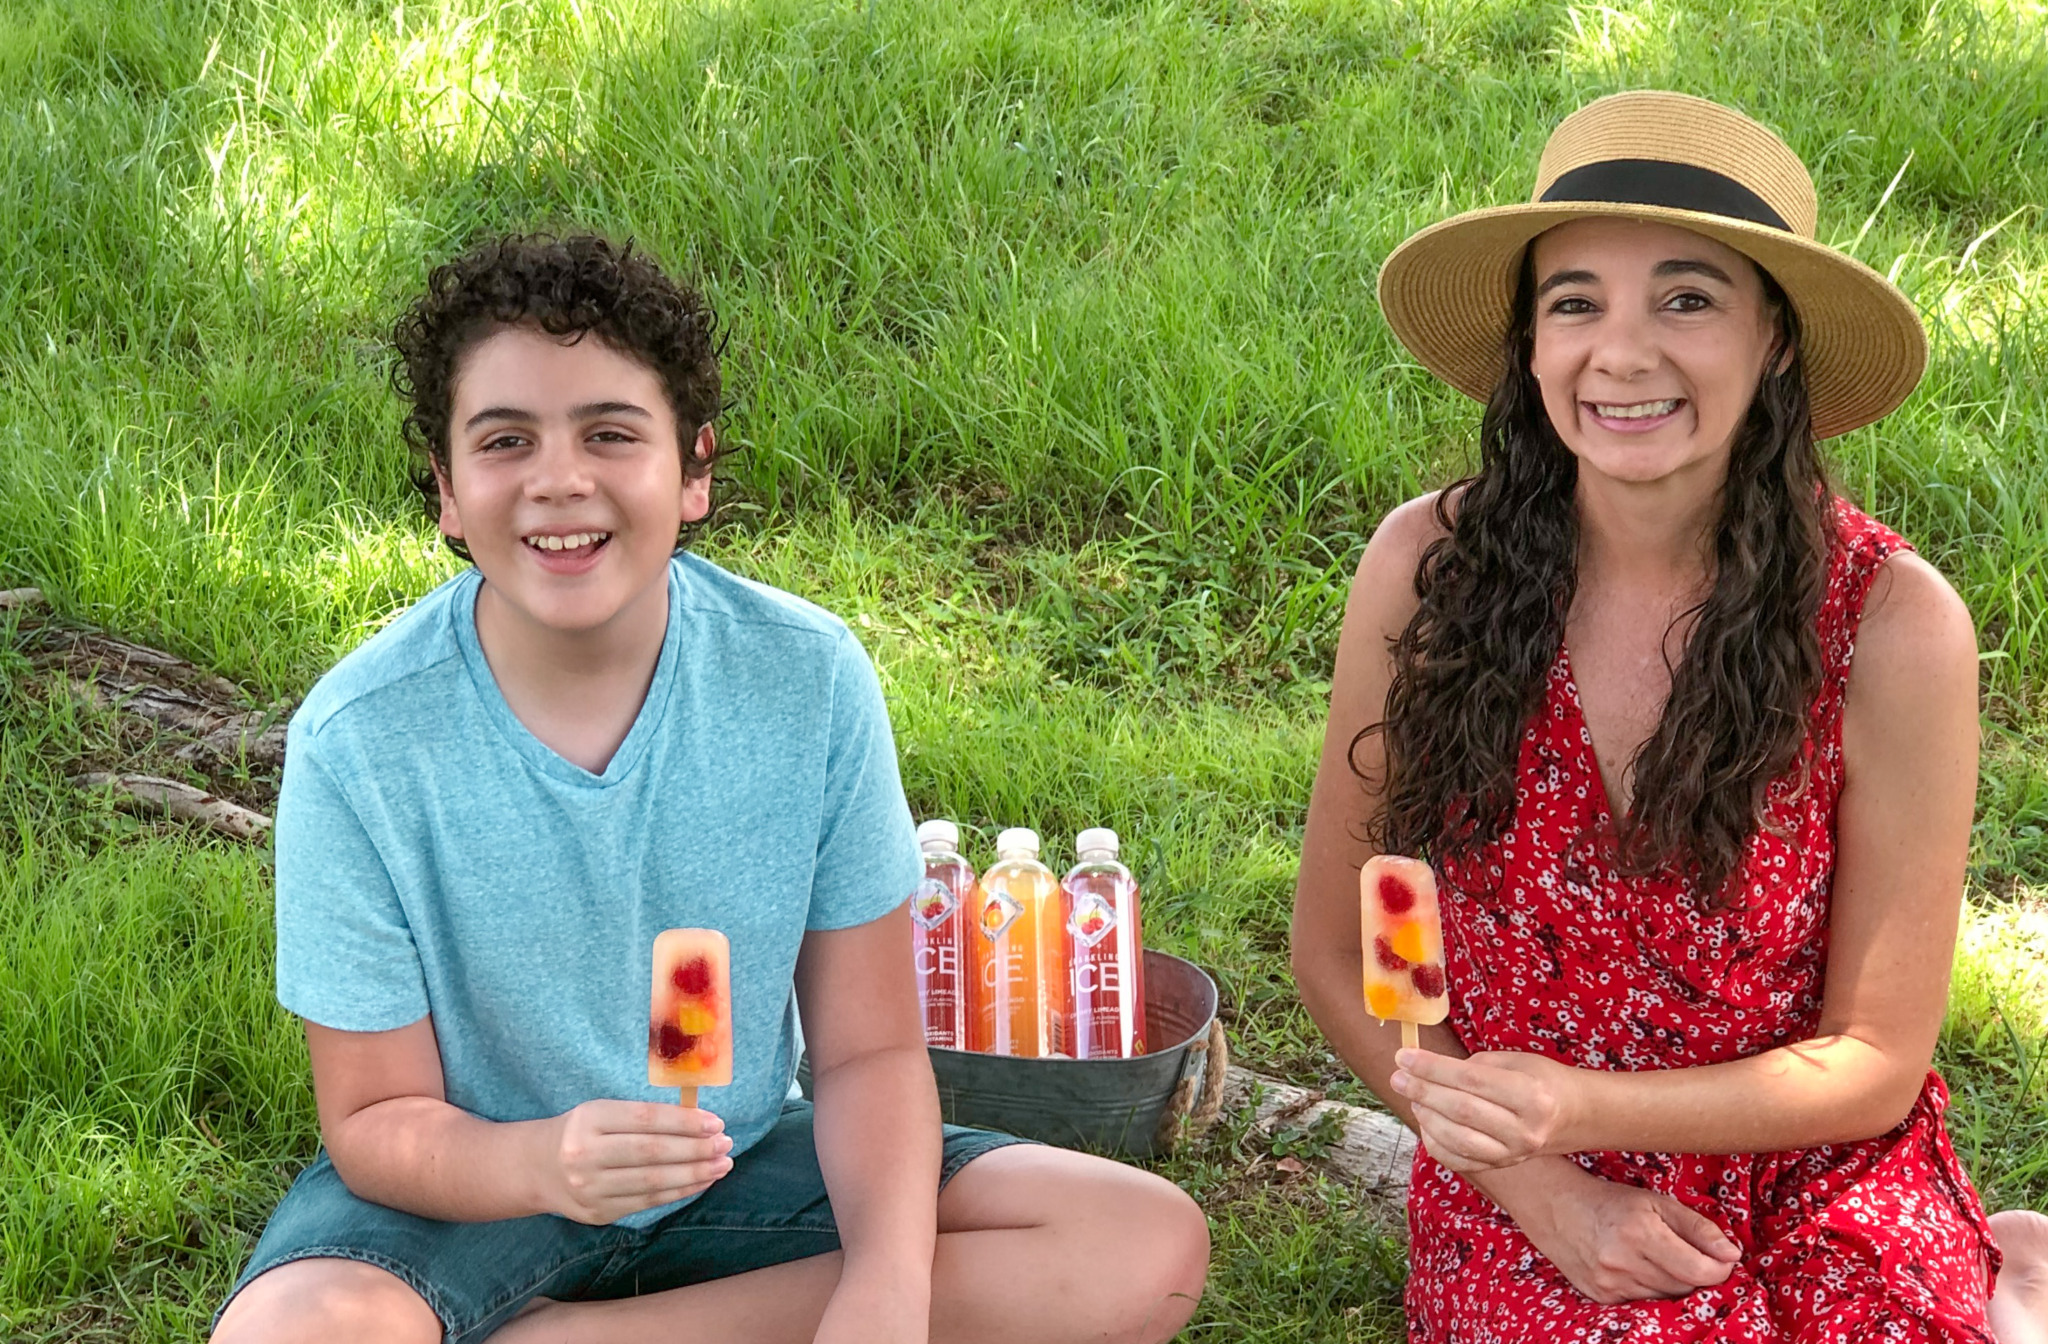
(324, 1299)
(332, 1267)
(1107, 1252)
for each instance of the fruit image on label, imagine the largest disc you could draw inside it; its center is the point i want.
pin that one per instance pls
(932, 903)
(998, 912)
(1094, 919)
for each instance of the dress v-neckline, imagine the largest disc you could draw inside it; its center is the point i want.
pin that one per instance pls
(1603, 801)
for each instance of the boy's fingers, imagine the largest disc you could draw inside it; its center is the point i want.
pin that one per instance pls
(655, 1117)
(657, 1150)
(655, 1183)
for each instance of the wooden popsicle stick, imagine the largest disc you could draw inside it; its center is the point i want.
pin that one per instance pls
(687, 1097)
(1411, 1036)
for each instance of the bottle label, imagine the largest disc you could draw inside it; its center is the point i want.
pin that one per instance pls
(998, 912)
(1094, 920)
(932, 903)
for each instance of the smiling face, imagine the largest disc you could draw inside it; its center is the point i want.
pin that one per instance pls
(565, 480)
(1649, 344)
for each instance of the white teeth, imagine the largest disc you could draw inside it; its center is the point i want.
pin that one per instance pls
(568, 543)
(1641, 411)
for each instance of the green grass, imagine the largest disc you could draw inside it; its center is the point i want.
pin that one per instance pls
(1057, 369)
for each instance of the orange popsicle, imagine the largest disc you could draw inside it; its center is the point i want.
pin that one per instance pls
(689, 1023)
(1404, 944)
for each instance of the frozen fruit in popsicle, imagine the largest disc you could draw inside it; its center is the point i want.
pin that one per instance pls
(1404, 973)
(689, 1024)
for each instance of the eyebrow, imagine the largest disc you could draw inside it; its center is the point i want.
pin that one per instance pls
(1566, 278)
(1676, 266)
(1693, 266)
(589, 411)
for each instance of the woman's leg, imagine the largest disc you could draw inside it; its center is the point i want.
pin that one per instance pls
(2019, 1309)
(1035, 1244)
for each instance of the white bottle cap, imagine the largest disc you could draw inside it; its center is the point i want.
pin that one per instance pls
(1016, 838)
(938, 831)
(1095, 838)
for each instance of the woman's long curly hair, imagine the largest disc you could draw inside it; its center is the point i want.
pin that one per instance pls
(1471, 666)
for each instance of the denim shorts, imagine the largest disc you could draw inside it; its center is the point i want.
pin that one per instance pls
(769, 1209)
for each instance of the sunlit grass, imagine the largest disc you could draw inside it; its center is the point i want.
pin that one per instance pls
(1056, 364)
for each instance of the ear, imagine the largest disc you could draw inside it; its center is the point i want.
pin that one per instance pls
(697, 475)
(451, 517)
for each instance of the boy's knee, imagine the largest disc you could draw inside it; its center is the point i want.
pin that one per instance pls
(1170, 1235)
(327, 1301)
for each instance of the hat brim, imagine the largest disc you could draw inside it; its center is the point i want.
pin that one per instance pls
(1448, 293)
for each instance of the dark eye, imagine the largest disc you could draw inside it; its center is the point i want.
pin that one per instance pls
(1691, 302)
(1572, 306)
(502, 441)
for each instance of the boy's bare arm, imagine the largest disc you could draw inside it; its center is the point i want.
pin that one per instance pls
(395, 1140)
(877, 1124)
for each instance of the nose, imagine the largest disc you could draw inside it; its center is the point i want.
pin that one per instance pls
(561, 470)
(1624, 346)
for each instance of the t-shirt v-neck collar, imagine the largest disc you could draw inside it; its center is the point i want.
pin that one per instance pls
(520, 738)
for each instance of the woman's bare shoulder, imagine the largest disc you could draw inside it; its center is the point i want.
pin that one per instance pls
(1406, 532)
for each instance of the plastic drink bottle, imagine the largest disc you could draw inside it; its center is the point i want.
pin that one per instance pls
(1108, 957)
(941, 911)
(1020, 945)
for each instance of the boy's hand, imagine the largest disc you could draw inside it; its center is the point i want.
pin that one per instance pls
(612, 1158)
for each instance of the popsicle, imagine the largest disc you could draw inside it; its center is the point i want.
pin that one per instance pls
(689, 1022)
(1404, 944)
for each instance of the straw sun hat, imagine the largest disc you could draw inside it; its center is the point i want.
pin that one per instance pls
(1664, 157)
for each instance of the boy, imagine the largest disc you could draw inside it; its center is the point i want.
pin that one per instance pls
(491, 808)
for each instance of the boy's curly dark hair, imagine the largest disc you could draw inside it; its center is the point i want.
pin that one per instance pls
(571, 286)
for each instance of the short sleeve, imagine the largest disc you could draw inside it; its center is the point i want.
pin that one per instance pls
(345, 952)
(867, 845)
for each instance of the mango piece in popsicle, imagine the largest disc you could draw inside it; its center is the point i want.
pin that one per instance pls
(1403, 937)
(689, 1022)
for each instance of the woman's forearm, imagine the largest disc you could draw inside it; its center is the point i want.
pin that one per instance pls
(1831, 1089)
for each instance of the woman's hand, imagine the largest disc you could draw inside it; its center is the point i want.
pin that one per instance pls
(1617, 1243)
(1489, 1110)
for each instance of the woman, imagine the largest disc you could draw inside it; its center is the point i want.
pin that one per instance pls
(1701, 870)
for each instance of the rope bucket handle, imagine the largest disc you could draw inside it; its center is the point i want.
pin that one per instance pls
(1187, 1115)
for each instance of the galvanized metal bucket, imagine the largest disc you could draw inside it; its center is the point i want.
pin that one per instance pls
(1130, 1107)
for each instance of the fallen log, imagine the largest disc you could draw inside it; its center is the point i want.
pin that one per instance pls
(168, 797)
(1375, 1149)
(229, 737)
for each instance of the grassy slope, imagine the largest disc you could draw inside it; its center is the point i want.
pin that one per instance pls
(1056, 360)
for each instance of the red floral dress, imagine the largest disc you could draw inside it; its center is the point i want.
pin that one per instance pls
(1553, 952)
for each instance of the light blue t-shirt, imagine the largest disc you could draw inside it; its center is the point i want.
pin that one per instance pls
(434, 857)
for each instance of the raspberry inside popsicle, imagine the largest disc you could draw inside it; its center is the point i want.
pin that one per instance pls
(1404, 944)
(689, 1021)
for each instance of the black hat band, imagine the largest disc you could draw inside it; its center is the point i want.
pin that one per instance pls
(1676, 186)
